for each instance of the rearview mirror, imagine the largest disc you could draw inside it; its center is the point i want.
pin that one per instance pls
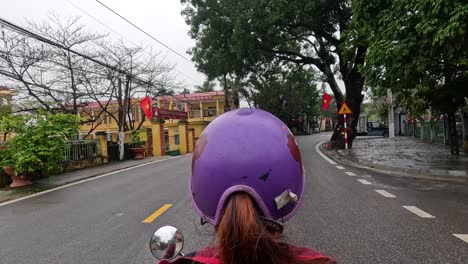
(167, 243)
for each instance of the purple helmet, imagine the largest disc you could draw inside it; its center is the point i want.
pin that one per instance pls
(252, 151)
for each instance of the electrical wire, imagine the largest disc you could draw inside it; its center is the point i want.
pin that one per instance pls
(122, 36)
(30, 34)
(146, 33)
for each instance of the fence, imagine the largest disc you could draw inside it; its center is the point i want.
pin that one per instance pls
(81, 150)
(434, 131)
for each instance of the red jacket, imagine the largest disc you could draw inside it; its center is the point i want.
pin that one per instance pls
(209, 256)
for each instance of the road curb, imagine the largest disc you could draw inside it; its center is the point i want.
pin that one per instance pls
(99, 173)
(78, 181)
(440, 175)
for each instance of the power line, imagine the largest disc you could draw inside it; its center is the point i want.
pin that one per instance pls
(30, 34)
(135, 26)
(104, 25)
(81, 70)
(123, 37)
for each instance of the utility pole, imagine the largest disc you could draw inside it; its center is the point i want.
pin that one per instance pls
(124, 112)
(121, 128)
(391, 123)
(321, 109)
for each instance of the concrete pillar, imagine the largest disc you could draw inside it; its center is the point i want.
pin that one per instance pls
(201, 111)
(183, 137)
(157, 133)
(102, 146)
(217, 108)
(191, 139)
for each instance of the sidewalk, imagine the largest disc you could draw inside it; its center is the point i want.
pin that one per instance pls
(404, 156)
(69, 177)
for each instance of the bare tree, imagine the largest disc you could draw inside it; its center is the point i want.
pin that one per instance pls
(24, 61)
(69, 69)
(142, 73)
(97, 85)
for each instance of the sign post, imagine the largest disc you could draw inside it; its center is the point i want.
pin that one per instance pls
(170, 114)
(345, 110)
(345, 131)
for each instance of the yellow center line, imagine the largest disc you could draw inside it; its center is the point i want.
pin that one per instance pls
(157, 213)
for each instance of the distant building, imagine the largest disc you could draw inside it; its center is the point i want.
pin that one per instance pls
(6, 96)
(201, 108)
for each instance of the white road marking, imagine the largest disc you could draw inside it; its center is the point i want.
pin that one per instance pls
(82, 181)
(317, 148)
(463, 237)
(385, 193)
(340, 167)
(418, 212)
(364, 181)
(350, 173)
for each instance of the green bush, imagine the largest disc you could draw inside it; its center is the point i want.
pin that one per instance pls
(39, 143)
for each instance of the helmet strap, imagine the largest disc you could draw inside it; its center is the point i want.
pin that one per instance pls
(272, 225)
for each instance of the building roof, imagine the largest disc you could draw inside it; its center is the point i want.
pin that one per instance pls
(194, 97)
(7, 91)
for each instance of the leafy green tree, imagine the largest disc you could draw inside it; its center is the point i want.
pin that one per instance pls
(38, 145)
(207, 86)
(376, 108)
(235, 36)
(290, 93)
(11, 123)
(185, 91)
(419, 50)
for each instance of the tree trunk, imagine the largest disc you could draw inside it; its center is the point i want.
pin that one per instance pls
(126, 104)
(235, 93)
(226, 94)
(353, 99)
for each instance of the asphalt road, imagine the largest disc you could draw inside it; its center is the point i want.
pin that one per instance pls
(102, 220)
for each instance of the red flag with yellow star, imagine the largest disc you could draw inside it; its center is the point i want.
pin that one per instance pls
(326, 99)
(147, 107)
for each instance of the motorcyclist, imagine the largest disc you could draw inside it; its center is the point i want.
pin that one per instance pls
(170, 250)
(247, 180)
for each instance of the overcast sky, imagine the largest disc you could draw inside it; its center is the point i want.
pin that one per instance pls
(160, 18)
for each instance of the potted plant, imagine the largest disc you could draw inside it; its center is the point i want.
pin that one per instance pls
(8, 163)
(38, 146)
(137, 145)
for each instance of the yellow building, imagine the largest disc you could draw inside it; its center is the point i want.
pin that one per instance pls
(201, 109)
(6, 96)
